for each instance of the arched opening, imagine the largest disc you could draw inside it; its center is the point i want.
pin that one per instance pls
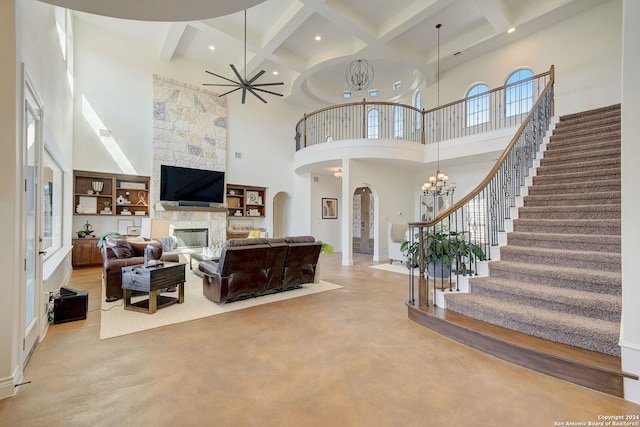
(281, 214)
(363, 218)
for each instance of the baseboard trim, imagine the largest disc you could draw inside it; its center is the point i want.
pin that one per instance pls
(8, 385)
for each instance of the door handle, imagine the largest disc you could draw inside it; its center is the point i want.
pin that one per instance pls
(42, 253)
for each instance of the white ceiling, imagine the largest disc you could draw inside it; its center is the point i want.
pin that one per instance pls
(399, 37)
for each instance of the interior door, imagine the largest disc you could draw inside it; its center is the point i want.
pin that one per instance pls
(363, 221)
(32, 256)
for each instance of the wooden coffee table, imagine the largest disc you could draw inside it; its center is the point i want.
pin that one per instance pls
(152, 279)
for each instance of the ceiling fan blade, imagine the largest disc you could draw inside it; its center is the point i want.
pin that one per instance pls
(256, 95)
(253, 79)
(220, 84)
(231, 91)
(267, 91)
(268, 84)
(237, 73)
(222, 77)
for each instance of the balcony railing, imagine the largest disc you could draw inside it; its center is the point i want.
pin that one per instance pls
(495, 109)
(476, 219)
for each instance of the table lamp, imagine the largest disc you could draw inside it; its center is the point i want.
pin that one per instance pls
(153, 229)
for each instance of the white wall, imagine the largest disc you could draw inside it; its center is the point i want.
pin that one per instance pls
(34, 43)
(327, 230)
(585, 50)
(630, 333)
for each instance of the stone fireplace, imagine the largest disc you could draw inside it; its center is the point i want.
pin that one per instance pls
(189, 130)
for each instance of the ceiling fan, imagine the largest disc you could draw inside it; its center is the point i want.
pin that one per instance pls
(243, 83)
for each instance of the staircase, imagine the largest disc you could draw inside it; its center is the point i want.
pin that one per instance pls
(559, 276)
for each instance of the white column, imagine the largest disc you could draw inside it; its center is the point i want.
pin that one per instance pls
(346, 213)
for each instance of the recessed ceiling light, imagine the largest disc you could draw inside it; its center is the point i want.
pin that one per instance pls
(212, 47)
(318, 38)
(511, 30)
(275, 73)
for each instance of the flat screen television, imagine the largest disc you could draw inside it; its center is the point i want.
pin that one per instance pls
(191, 186)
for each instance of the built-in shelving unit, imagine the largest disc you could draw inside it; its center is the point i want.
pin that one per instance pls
(245, 201)
(97, 193)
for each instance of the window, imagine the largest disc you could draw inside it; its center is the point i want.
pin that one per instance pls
(418, 104)
(373, 123)
(398, 122)
(477, 105)
(52, 204)
(519, 93)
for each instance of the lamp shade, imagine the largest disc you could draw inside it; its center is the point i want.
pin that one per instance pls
(155, 228)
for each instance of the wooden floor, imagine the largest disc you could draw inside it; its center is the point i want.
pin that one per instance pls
(348, 357)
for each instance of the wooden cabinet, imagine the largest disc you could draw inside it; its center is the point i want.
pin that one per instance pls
(85, 253)
(97, 193)
(245, 201)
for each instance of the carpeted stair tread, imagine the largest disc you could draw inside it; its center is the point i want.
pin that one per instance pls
(595, 211)
(589, 115)
(583, 130)
(550, 185)
(606, 282)
(581, 242)
(581, 156)
(582, 166)
(603, 261)
(560, 150)
(578, 178)
(592, 305)
(575, 199)
(586, 226)
(571, 329)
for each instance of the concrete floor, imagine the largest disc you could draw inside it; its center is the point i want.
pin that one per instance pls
(348, 357)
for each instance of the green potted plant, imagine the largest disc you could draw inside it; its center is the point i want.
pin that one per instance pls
(81, 234)
(442, 250)
(327, 248)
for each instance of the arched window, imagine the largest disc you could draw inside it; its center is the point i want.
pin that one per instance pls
(373, 123)
(519, 93)
(398, 122)
(477, 105)
(417, 102)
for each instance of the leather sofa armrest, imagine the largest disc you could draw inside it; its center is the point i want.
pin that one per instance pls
(210, 268)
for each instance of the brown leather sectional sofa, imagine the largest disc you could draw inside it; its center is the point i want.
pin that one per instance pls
(253, 267)
(119, 252)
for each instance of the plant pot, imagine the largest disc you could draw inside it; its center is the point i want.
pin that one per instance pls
(438, 270)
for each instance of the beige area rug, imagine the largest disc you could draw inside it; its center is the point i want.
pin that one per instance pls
(118, 321)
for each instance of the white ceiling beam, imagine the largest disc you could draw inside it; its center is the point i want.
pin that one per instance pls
(496, 13)
(171, 40)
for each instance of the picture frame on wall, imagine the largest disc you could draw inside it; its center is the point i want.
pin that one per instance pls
(134, 230)
(329, 208)
(427, 209)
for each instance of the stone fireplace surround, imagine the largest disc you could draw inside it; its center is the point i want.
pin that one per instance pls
(189, 130)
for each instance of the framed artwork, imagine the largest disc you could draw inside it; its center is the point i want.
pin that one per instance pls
(329, 208)
(427, 209)
(134, 230)
(123, 226)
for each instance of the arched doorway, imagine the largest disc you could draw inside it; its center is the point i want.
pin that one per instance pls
(281, 217)
(363, 221)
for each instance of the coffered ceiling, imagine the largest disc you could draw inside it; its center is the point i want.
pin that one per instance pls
(399, 37)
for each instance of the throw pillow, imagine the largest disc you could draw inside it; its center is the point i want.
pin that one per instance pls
(120, 247)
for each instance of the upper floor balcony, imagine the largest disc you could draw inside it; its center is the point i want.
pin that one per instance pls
(403, 132)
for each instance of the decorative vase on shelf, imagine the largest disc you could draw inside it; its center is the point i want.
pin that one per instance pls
(97, 186)
(79, 209)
